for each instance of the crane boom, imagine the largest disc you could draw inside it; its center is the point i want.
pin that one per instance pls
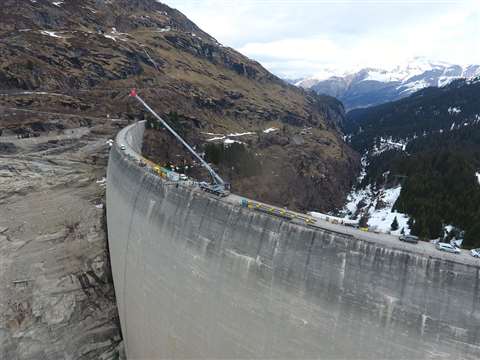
(216, 178)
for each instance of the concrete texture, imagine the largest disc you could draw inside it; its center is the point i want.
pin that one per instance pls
(199, 277)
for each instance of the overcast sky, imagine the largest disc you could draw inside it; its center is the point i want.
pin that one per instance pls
(302, 37)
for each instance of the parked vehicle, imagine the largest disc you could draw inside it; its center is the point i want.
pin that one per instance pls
(409, 238)
(183, 177)
(475, 252)
(448, 248)
(216, 189)
(123, 147)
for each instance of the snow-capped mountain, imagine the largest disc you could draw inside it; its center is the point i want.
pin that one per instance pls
(371, 86)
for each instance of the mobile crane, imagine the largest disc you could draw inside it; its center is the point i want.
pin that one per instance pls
(218, 186)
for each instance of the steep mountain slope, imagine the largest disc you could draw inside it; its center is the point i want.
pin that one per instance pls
(430, 143)
(370, 86)
(83, 56)
(65, 73)
(427, 111)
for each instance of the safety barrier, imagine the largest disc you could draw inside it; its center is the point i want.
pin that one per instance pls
(279, 212)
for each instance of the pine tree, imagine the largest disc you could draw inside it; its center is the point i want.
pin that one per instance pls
(394, 225)
(472, 236)
(410, 222)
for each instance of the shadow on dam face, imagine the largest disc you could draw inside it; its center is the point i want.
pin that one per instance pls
(199, 277)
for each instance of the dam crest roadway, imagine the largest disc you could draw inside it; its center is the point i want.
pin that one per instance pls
(201, 276)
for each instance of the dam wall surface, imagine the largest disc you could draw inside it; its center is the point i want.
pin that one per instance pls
(201, 277)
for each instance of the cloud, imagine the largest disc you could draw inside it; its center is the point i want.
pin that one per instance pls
(299, 38)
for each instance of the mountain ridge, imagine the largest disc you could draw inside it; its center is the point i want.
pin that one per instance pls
(372, 86)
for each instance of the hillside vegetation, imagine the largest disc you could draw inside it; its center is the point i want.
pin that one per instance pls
(440, 130)
(427, 111)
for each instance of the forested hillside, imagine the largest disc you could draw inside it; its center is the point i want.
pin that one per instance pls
(427, 111)
(438, 162)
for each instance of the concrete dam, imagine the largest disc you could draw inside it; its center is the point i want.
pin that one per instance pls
(197, 276)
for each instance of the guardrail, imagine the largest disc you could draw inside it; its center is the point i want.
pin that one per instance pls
(279, 212)
(166, 174)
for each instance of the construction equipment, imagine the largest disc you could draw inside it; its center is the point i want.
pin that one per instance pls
(218, 187)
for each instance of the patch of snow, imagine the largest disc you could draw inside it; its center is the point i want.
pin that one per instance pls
(114, 35)
(213, 134)
(445, 80)
(376, 205)
(452, 110)
(228, 141)
(408, 74)
(389, 144)
(473, 80)
(355, 197)
(217, 138)
(223, 137)
(380, 75)
(456, 242)
(269, 130)
(50, 33)
(161, 12)
(363, 172)
(324, 74)
(166, 29)
(241, 134)
(448, 228)
(413, 86)
(111, 37)
(333, 219)
(381, 219)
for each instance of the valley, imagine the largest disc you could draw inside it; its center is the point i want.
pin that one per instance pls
(429, 144)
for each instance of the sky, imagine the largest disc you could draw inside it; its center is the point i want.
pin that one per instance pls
(301, 38)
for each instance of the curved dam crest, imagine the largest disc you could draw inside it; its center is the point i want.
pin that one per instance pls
(201, 277)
